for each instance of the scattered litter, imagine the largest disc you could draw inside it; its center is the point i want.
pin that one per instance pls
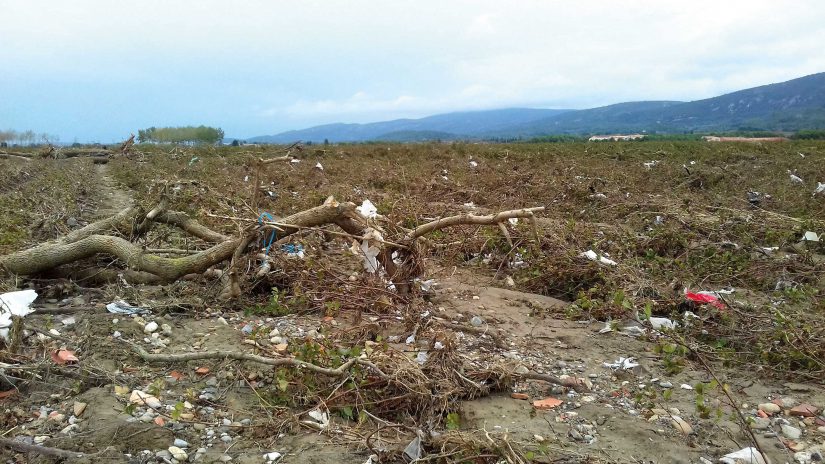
(427, 285)
(294, 161)
(68, 321)
(319, 167)
(795, 179)
(810, 236)
(373, 459)
(650, 164)
(685, 386)
(194, 160)
(704, 298)
(658, 221)
(477, 321)
(755, 198)
(608, 327)
(320, 417)
(410, 340)
(622, 363)
(659, 323)
(14, 304)
(422, 357)
(122, 307)
(473, 164)
(748, 455)
(413, 449)
(293, 251)
(820, 188)
(513, 221)
(593, 256)
(63, 357)
(272, 457)
(367, 209)
(597, 196)
(547, 403)
(438, 346)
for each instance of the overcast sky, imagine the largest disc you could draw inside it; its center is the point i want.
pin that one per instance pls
(96, 70)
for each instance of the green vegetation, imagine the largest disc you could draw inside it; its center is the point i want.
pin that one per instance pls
(186, 135)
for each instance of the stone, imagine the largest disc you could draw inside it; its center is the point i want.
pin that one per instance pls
(769, 408)
(141, 398)
(760, 423)
(804, 410)
(166, 328)
(666, 384)
(72, 222)
(791, 432)
(225, 458)
(681, 425)
(477, 321)
(519, 396)
(802, 457)
(78, 408)
(180, 443)
(150, 327)
(178, 453)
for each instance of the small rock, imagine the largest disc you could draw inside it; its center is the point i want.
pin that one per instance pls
(802, 457)
(150, 327)
(666, 384)
(510, 282)
(181, 443)
(277, 340)
(72, 222)
(163, 454)
(69, 428)
(804, 410)
(769, 408)
(40, 439)
(272, 457)
(519, 396)
(760, 423)
(682, 426)
(57, 417)
(225, 458)
(522, 369)
(791, 432)
(78, 408)
(477, 321)
(223, 321)
(166, 328)
(226, 438)
(178, 453)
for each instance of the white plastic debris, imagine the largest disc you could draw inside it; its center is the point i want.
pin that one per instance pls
(513, 221)
(685, 386)
(622, 363)
(438, 346)
(648, 165)
(748, 455)
(14, 304)
(319, 167)
(272, 457)
(142, 398)
(820, 188)
(427, 285)
(320, 417)
(122, 307)
(473, 164)
(422, 357)
(810, 236)
(413, 449)
(795, 179)
(367, 209)
(410, 340)
(608, 327)
(294, 161)
(659, 323)
(597, 196)
(593, 256)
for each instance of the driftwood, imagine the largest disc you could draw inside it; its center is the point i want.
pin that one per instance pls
(114, 237)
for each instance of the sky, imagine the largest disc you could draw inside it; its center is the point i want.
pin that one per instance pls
(98, 70)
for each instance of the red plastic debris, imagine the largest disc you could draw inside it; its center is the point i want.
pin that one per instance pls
(703, 298)
(64, 357)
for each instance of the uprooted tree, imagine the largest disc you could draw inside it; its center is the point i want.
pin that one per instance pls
(388, 249)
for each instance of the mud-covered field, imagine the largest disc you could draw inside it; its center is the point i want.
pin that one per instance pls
(517, 347)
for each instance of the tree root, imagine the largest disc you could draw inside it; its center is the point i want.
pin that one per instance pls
(42, 450)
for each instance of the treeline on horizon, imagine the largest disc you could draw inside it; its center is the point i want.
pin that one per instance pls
(184, 134)
(27, 137)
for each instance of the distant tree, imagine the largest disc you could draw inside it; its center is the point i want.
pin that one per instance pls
(186, 134)
(235, 143)
(326, 141)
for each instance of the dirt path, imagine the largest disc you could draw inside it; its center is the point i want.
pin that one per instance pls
(114, 198)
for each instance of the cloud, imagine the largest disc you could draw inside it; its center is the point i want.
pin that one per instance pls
(259, 66)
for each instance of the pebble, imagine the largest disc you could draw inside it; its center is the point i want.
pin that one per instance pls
(477, 321)
(163, 454)
(178, 453)
(802, 457)
(226, 438)
(223, 321)
(666, 384)
(769, 408)
(791, 432)
(78, 408)
(760, 423)
(199, 427)
(225, 458)
(181, 443)
(40, 439)
(681, 425)
(150, 327)
(166, 328)
(276, 340)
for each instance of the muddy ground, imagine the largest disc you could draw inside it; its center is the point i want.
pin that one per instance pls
(225, 410)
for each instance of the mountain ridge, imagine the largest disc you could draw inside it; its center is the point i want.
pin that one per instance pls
(792, 105)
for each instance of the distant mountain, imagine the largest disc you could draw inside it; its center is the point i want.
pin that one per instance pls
(788, 106)
(468, 124)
